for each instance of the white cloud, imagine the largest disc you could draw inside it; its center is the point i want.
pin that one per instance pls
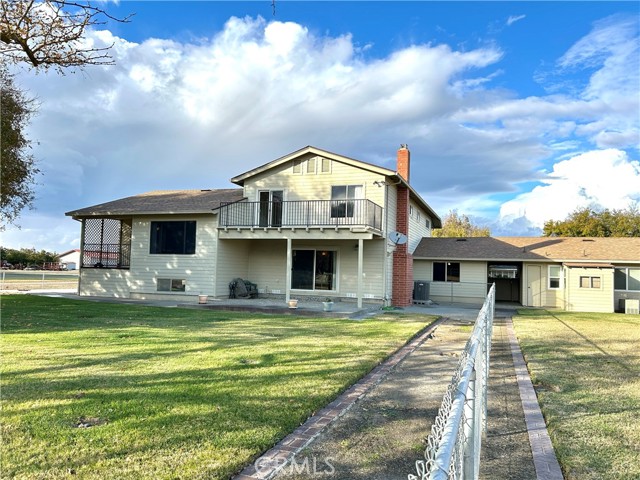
(600, 178)
(173, 115)
(514, 18)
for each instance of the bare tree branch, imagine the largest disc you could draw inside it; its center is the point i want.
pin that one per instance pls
(52, 33)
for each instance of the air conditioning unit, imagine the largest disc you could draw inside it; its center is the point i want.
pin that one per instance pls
(420, 291)
(632, 306)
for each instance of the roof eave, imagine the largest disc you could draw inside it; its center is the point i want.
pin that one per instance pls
(79, 215)
(436, 221)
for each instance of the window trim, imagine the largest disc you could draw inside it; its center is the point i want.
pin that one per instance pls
(189, 246)
(627, 276)
(559, 277)
(311, 167)
(172, 281)
(346, 207)
(446, 271)
(323, 162)
(591, 282)
(335, 275)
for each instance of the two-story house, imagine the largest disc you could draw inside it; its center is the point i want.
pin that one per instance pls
(309, 224)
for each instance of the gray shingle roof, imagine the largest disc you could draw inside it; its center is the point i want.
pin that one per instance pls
(163, 202)
(574, 249)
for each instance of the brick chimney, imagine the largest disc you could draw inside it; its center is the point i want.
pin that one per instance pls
(404, 160)
(402, 284)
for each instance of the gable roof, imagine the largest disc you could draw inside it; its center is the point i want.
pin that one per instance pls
(163, 202)
(541, 249)
(239, 179)
(394, 176)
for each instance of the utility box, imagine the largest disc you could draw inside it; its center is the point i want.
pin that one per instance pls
(420, 291)
(632, 306)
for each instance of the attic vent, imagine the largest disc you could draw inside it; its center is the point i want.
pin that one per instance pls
(588, 240)
(205, 190)
(461, 239)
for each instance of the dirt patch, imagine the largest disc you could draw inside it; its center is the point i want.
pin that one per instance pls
(88, 422)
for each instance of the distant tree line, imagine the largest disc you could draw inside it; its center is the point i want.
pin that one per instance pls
(455, 225)
(25, 257)
(591, 222)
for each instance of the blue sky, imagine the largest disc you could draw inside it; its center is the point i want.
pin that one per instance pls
(514, 112)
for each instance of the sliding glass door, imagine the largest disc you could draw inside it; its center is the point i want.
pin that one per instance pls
(313, 270)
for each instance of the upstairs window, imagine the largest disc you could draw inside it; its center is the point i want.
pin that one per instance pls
(178, 238)
(342, 200)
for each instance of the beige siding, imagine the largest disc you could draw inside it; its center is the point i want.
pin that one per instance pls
(102, 282)
(548, 297)
(197, 270)
(232, 262)
(373, 257)
(417, 226)
(472, 287)
(580, 299)
(267, 267)
(314, 186)
(140, 280)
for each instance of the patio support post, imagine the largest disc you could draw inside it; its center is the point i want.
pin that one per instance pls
(287, 287)
(360, 271)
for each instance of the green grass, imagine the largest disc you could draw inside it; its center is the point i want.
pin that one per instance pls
(168, 392)
(586, 370)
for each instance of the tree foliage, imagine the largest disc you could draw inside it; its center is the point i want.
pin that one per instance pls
(42, 34)
(26, 256)
(17, 171)
(51, 33)
(590, 222)
(455, 225)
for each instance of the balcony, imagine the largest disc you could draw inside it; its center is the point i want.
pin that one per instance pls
(351, 214)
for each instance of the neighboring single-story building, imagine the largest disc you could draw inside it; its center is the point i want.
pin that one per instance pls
(70, 259)
(596, 274)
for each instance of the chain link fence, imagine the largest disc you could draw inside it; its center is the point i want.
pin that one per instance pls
(453, 447)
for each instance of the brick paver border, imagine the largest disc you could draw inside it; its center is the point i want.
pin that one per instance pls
(544, 457)
(271, 462)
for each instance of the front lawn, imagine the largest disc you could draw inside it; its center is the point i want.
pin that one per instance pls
(586, 370)
(104, 390)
